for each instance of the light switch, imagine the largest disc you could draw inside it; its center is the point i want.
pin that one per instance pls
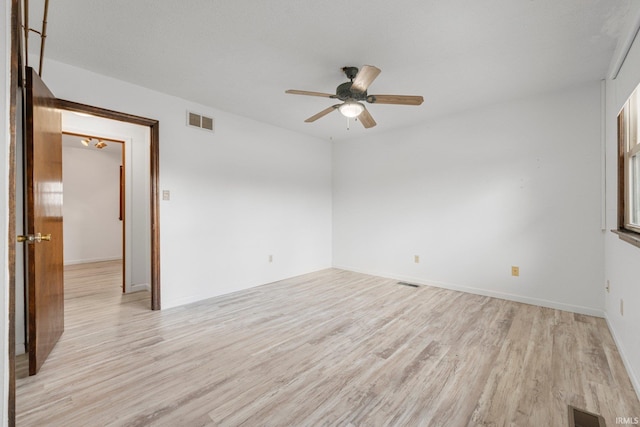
(166, 195)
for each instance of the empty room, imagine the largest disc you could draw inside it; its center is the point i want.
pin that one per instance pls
(341, 213)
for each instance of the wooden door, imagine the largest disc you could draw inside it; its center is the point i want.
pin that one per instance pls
(43, 211)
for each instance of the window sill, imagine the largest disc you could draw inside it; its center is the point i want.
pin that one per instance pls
(628, 236)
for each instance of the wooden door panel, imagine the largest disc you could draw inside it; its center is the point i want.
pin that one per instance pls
(43, 172)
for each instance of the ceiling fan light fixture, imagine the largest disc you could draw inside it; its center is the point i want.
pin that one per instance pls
(351, 109)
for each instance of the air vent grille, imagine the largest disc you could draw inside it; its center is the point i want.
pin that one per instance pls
(582, 418)
(194, 119)
(207, 123)
(411, 285)
(199, 121)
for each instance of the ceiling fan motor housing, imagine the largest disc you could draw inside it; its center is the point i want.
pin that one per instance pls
(344, 93)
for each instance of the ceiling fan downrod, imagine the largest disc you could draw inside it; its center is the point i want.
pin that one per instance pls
(351, 72)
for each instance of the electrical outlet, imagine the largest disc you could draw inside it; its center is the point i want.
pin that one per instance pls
(270, 258)
(515, 271)
(621, 307)
(416, 259)
(608, 287)
(166, 195)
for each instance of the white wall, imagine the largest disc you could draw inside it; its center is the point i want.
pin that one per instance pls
(138, 209)
(622, 259)
(237, 196)
(5, 30)
(473, 194)
(91, 182)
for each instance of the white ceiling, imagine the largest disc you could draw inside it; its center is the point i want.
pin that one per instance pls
(241, 55)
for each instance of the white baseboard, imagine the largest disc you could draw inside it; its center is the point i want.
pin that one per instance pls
(21, 348)
(88, 260)
(138, 287)
(484, 292)
(625, 359)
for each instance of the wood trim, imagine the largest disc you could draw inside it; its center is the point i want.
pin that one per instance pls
(621, 167)
(105, 113)
(624, 232)
(121, 194)
(84, 135)
(155, 174)
(123, 184)
(15, 78)
(155, 216)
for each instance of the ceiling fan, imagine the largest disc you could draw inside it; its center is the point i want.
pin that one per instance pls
(354, 92)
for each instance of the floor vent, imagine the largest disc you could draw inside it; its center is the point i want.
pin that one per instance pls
(411, 285)
(199, 121)
(580, 418)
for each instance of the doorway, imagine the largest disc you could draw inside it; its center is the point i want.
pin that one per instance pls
(151, 170)
(131, 225)
(93, 172)
(106, 169)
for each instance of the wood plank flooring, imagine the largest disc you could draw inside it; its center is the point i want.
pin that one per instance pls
(332, 348)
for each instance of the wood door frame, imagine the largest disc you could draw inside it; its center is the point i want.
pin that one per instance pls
(15, 76)
(153, 126)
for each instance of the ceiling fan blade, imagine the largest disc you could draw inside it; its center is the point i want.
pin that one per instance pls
(366, 119)
(306, 92)
(322, 113)
(364, 78)
(395, 99)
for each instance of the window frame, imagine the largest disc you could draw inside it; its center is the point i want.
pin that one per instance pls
(628, 124)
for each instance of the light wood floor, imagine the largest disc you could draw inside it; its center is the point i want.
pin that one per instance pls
(328, 348)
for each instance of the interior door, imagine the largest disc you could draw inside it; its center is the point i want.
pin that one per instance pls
(43, 223)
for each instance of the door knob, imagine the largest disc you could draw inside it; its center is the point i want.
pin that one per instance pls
(34, 238)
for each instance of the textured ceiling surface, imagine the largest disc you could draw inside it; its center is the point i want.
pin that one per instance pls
(240, 56)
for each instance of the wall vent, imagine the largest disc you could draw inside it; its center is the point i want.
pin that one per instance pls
(207, 123)
(199, 121)
(411, 285)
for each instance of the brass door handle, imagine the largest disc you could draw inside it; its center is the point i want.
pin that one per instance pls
(34, 238)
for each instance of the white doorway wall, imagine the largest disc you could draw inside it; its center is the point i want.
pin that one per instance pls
(91, 210)
(137, 143)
